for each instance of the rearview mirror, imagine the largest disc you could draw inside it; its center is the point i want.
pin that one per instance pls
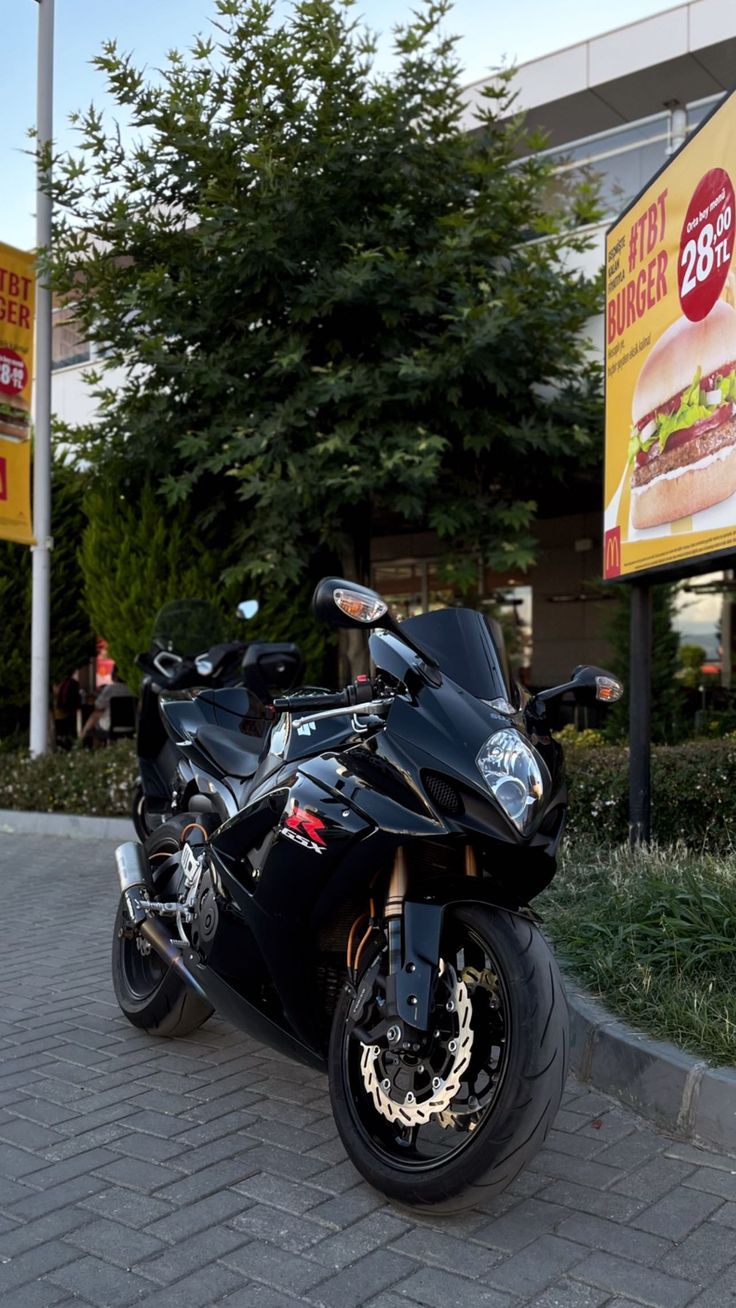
(346, 604)
(586, 678)
(247, 609)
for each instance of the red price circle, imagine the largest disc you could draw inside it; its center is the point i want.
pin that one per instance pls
(706, 244)
(13, 372)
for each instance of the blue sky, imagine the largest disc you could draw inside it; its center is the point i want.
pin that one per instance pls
(492, 30)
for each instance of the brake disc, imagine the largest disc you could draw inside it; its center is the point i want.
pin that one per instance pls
(417, 1112)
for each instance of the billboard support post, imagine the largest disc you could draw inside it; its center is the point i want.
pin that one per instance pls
(41, 551)
(640, 715)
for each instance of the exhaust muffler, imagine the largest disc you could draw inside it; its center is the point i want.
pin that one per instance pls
(134, 878)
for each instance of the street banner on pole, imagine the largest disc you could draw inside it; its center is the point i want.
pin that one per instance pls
(17, 306)
(670, 464)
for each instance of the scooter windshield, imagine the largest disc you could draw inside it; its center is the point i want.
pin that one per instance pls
(187, 627)
(469, 648)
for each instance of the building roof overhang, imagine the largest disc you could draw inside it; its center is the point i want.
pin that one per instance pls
(627, 74)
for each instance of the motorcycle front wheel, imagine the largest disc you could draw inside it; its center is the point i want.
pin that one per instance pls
(453, 1121)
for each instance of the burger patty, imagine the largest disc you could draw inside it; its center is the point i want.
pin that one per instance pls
(698, 448)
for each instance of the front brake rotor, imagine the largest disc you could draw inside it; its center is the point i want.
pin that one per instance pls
(417, 1112)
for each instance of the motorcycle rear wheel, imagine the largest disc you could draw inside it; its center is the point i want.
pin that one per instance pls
(149, 992)
(516, 1074)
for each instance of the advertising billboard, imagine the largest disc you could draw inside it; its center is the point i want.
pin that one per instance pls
(670, 454)
(17, 306)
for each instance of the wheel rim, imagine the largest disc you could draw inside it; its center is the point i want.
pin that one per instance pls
(428, 1146)
(143, 971)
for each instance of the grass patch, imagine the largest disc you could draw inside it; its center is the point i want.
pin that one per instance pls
(93, 782)
(654, 935)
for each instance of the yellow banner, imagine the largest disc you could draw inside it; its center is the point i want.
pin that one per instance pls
(17, 309)
(670, 464)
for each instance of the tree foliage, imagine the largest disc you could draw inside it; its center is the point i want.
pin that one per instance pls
(334, 303)
(134, 559)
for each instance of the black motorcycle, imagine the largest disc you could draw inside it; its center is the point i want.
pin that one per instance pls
(187, 651)
(361, 899)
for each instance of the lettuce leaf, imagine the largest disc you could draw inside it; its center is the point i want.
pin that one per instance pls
(692, 408)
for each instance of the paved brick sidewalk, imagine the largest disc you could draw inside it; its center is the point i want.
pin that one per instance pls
(207, 1171)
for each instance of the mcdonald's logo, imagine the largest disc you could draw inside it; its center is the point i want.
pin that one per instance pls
(3, 479)
(612, 554)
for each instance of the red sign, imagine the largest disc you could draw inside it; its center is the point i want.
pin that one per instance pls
(13, 372)
(612, 553)
(306, 823)
(706, 244)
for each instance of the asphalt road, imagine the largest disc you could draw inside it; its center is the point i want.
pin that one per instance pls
(208, 1171)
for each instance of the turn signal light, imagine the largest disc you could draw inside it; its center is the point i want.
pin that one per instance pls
(358, 607)
(608, 689)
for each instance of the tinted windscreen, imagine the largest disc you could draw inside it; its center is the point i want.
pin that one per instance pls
(187, 627)
(469, 647)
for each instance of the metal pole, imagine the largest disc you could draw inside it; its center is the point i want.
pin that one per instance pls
(42, 439)
(640, 715)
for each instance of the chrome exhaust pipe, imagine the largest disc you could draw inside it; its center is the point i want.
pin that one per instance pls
(134, 877)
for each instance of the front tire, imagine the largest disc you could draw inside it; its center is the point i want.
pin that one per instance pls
(149, 992)
(520, 1028)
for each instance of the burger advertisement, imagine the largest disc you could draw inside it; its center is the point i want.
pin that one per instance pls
(670, 328)
(17, 304)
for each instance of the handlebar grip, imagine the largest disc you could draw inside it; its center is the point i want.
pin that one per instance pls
(310, 703)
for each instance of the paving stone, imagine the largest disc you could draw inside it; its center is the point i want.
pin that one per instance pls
(444, 1290)
(714, 1181)
(198, 1216)
(53, 1226)
(32, 1264)
(128, 1207)
(602, 1203)
(678, 1213)
(568, 1294)
(378, 1228)
(364, 1279)
(613, 1237)
(645, 1284)
(536, 1265)
(115, 1242)
(726, 1216)
(279, 1192)
(283, 1229)
(261, 1261)
(524, 1223)
(655, 1178)
(701, 1255)
(182, 1259)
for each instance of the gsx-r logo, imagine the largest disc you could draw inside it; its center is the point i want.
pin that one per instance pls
(304, 828)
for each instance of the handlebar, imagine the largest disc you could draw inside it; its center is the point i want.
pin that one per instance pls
(360, 691)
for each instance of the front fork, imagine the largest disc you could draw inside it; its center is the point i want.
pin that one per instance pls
(414, 930)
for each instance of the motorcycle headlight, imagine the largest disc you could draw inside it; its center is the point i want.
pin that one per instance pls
(513, 773)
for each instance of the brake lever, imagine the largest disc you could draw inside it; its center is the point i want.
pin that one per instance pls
(349, 710)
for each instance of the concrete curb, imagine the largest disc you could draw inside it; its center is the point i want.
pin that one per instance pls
(675, 1090)
(16, 822)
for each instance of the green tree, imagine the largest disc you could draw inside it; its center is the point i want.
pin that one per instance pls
(667, 706)
(72, 640)
(134, 559)
(691, 659)
(332, 300)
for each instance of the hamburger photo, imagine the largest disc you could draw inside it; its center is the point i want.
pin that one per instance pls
(15, 418)
(683, 442)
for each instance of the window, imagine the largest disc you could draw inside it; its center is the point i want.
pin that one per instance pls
(68, 342)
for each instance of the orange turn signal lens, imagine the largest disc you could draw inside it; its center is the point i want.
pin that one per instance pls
(608, 689)
(359, 607)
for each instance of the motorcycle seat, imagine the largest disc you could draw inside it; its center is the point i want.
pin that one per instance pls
(234, 754)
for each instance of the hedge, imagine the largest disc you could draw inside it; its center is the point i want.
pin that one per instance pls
(693, 794)
(694, 789)
(95, 783)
